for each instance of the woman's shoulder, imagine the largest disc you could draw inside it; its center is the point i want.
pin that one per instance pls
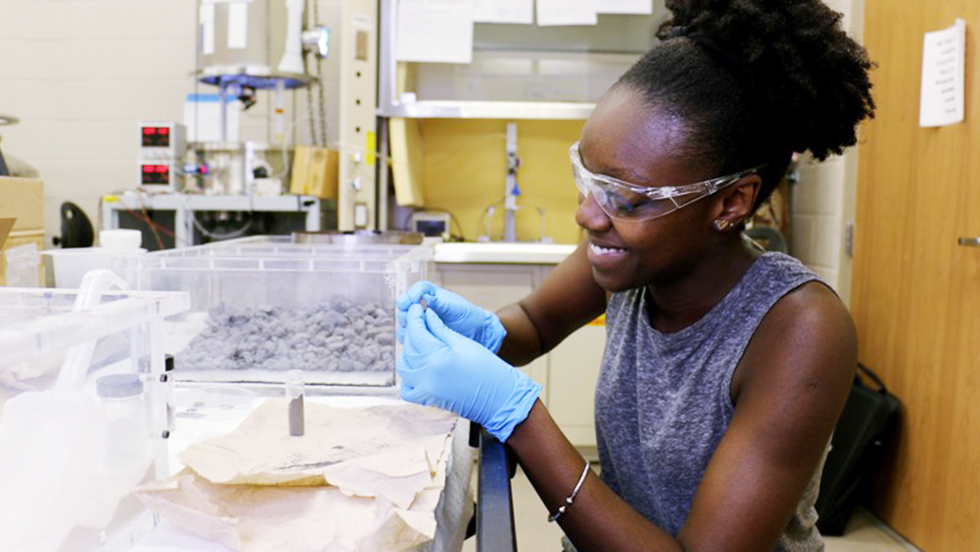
(781, 267)
(808, 334)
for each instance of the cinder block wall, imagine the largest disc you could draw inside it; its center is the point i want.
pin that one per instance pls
(79, 74)
(823, 201)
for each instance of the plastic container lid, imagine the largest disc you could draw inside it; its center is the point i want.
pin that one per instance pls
(119, 386)
(120, 239)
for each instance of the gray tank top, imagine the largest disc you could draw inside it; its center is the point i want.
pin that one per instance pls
(663, 400)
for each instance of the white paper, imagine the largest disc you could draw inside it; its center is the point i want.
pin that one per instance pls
(567, 12)
(206, 15)
(504, 11)
(361, 478)
(643, 7)
(238, 26)
(439, 31)
(943, 69)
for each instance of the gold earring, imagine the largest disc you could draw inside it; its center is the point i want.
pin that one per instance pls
(721, 225)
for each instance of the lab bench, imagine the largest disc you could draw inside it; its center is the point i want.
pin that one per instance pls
(175, 216)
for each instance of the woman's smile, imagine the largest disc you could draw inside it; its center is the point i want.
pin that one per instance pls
(606, 257)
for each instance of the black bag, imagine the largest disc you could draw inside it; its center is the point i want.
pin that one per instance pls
(857, 450)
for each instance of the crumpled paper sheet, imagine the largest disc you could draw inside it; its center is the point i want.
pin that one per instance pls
(389, 451)
(361, 479)
(263, 518)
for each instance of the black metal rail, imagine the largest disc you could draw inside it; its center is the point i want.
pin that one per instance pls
(495, 504)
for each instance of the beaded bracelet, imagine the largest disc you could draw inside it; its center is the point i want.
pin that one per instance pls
(571, 497)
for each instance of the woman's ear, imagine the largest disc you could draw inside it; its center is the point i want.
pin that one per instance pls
(736, 204)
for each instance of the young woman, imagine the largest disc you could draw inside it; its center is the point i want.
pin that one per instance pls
(725, 369)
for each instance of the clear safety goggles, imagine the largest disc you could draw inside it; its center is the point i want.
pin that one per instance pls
(623, 201)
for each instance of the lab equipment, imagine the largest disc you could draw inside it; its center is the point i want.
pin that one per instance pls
(65, 467)
(161, 152)
(264, 305)
(294, 396)
(622, 200)
(431, 223)
(167, 379)
(71, 265)
(181, 220)
(460, 315)
(441, 368)
(244, 47)
(121, 398)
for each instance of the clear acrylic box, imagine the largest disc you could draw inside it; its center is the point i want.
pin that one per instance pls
(264, 305)
(82, 416)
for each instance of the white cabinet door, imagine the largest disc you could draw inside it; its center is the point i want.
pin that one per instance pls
(573, 369)
(493, 286)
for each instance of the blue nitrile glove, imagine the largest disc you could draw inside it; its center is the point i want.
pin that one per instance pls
(459, 314)
(442, 368)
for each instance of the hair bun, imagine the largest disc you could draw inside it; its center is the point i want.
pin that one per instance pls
(805, 70)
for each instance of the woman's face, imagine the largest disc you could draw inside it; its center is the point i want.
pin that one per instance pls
(627, 139)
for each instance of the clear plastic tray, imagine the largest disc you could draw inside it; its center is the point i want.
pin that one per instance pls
(263, 306)
(83, 416)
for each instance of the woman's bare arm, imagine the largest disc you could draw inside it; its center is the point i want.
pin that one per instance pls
(568, 299)
(794, 379)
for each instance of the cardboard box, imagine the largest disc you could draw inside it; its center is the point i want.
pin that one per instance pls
(22, 199)
(6, 225)
(316, 172)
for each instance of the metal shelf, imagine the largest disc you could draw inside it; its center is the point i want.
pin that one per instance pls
(448, 109)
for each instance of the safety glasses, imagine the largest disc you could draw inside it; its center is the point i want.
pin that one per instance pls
(623, 201)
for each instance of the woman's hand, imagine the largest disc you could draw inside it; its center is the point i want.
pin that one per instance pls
(459, 314)
(439, 367)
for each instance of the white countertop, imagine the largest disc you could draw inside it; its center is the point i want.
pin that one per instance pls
(498, 252)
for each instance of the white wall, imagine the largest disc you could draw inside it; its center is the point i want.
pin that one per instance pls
(79, 74)
(823, 200)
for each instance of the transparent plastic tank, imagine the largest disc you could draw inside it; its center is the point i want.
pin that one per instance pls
(263, 306)
(81, 416)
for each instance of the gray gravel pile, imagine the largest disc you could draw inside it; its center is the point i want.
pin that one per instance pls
(341, 336)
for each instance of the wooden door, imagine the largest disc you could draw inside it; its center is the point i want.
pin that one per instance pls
(916, 292)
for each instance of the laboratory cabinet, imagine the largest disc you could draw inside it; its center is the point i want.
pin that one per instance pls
(567, 374)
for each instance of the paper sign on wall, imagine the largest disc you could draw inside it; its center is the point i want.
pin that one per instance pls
(644, 7)
(237, 26)
(438, 31)
(503, 11)
(567, 12)
(943, 68)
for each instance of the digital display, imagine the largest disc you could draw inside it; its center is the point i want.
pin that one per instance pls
(158, 175)
(156, 137)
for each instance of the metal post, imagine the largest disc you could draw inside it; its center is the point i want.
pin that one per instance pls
(495, 505)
